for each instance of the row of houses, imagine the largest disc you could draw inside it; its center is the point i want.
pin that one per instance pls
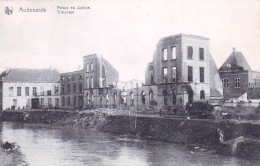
(182, 71)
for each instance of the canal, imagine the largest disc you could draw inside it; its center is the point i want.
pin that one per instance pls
(42, 145)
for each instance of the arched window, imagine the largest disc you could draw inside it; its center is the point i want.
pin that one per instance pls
(165, 97)
(202, 95)
(143, 97)
(92, 66)
(190, 96)
(151, 97)
(87, 66)
(173, 98)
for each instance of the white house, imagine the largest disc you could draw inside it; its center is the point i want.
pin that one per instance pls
(29, 88)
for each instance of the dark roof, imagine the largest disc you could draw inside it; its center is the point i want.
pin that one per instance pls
(236, 94)
(236, 61)
(215, 93)
(30, 75)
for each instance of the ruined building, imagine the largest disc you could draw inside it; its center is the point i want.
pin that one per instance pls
(72, 89)
(182, 71)
(79, 89)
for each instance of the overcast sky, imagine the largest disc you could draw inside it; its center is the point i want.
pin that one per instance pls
(124, 32)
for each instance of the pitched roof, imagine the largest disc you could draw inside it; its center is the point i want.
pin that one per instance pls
(215, 93)
(30, 75)
(236, 94)
(235, 61)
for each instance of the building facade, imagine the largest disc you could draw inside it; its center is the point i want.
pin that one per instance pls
(29, 88)
(71, 84)
(238, 78)
(81, 89)
(182, 71)
(99, 77)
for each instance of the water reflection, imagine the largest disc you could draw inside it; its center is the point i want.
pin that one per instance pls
(47, 145)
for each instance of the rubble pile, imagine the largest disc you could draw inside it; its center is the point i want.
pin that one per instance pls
(86, 118)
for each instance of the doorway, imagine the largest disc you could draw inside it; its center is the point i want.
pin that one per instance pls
(35, 103)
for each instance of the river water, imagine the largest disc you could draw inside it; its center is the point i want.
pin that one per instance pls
(42, 145)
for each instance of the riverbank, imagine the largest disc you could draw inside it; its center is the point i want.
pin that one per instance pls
(170, 129)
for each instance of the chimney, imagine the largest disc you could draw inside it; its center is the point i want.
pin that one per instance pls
(234, 49)
(50, 68)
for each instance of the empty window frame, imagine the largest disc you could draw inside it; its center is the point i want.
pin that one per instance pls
(165, 74)
(202, 74)
(174, 74)
(87, 97)
(201, 53)
(151, 76)
(165, 98)
(92, 66)
(190, 74)
(87, 67)
(48, 92)
(92, 82)
(174, 53)
(74, 100)
(87, 83)
(74, 87)
(190, 52)
(164, 54)
(107, 97)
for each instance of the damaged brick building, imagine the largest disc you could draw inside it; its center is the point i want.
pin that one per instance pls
(72, 89)
(80, 88)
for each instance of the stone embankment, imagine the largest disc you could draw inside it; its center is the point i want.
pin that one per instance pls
(170, 129)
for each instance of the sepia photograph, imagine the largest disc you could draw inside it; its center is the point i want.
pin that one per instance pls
(129, 83)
